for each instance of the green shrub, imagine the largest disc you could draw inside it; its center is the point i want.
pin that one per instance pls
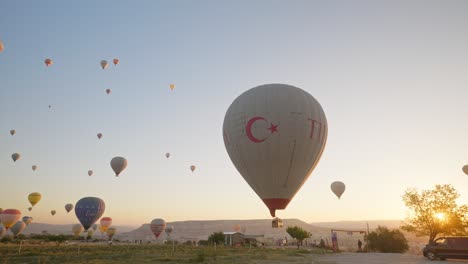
(387, 241)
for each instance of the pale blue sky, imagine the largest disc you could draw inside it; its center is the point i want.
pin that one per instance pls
(392, 78)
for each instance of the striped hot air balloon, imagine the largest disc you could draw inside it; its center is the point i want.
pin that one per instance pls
(157, 226)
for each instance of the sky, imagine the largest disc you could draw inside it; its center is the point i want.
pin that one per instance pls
(391, 77)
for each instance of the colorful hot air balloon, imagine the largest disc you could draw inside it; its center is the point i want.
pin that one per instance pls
(172, 86)
(48, 62)
(104, 64)
(9, 217)
(88, 210)
(192, 168)
(34, 167)
(53, 212)
(68, 207)
(1, 46)
(12, 132)
(111, 232)
(275, 135)
(2, 230)
(465, 169)
(15, 156)
(338, 188)
(108, 91)
(105, 222)
(29, 209)
(116, 61)
(34, 198)
(157, 226)
(27, 220)
(90, 172)
(77, 229)
(18, 227)
(94, 227)
(118, 164)
(99, 135)
(101, 229)
(168, 155)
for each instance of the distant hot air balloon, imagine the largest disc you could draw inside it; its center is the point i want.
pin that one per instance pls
(105, 222)
(172, 86)
(102, 230)
(1, 46)
(99, 135)
(9, 217)
(12, 132)
(275, 135)
(27, 220)
(116, 61)
(89, 210)
(15, 156)
(108, 91)
(118, 164)
(48, 62)
(29, 209)
(68, 207)
(169, 229)
(338, 188)
(18, 227)
(192, 168)
(90, 233)
(34, 167)
(53, 212)
(2, 230)
(50, 106)
(90, 172)
(94, 227)
(168, 155)
(157, 226)
(104, 64)
(34, 198)
(77, 229)
(111, 232)
(465, 169)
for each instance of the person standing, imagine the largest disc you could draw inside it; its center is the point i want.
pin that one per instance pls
(359, 244)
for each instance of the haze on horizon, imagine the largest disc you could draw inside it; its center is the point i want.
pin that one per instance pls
(390, 76)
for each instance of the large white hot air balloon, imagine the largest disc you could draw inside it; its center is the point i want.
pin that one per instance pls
(118, 164)
(275, 135)
(338, 188)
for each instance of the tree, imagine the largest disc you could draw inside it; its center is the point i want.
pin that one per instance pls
(217, 237)
(387, 241)
(298, 233)
(435, 212)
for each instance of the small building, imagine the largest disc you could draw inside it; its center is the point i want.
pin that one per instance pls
(233, 238)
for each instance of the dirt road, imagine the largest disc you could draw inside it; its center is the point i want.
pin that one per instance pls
(380, 258)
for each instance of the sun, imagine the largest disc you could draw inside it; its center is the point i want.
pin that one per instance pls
(440, 216)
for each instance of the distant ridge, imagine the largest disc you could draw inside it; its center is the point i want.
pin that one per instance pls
(358, 225)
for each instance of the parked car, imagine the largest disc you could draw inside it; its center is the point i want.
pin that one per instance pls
(447, 247)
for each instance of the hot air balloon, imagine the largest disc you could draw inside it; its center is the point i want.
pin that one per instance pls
(2, 230)
(111, 232)
(9, 217)
(77, 229)
(104, 64)
(157, 226)
(465, 169)
(338, 188)
(172, 86)
(1, 46)
(48, 62)
(29, 209)
(99, 135)
(90, 172)
(275, 135)
(88, 210)
(118, 164)
(105, 222)
(27, 220)
(12, 132)
(90, 233)
(102, 230)
(53, 212)
(169, 229)
(18, 227)
(116, 61)
(34, 198)
(94, 227)
(15, 156)
(34, 167)
(168, 155)
(108, 91)
(68, 207)
(50, 106)
(192, 168)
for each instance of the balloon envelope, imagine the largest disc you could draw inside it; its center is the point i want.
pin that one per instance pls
(169, 229)
(27, 220)
(18, 227)
(118, 164)
(465, 169)
(12, 132)
(192, 168)
(68, 207)
(338, 188)
(172, 86)
(1, 46)
(53, 212)
(111, 232)
(104, 64)
(88, 210)
(34, 167)
(116, 61)
(48, 62)
(77, 229)
(105, 222)
(108, 91)
(275, 135)
(90, 172)
(34, 198)
(9, 217)
(168, 155)
(15, 156)
(157, 226)
(99, 135)
(94, 227)
(29, 209)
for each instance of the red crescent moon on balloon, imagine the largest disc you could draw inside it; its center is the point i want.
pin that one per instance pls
(248, 129)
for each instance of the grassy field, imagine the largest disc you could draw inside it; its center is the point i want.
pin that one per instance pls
(129, 254)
